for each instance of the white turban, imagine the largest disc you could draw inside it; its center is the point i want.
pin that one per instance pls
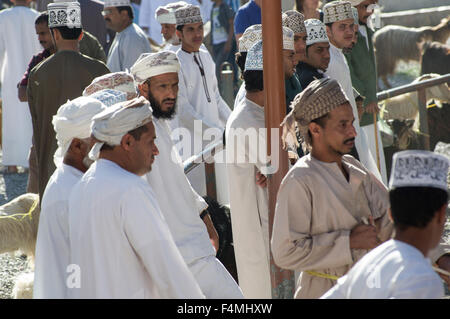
(153, 64)
(120, 81)
(112, 124)
(73, 120)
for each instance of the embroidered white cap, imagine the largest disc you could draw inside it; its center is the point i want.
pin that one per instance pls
(337, 11)
(316, 32)
(116, 3)
(416, 168)
(64, 14)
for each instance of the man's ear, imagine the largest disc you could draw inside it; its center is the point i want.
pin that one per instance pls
(442, 214)
(314, 128)
(390, 215)
(127, 141)
(179, 34)
(144, 89)
(329, 33)
(75, 146)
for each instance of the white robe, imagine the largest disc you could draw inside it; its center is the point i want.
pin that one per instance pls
(120, 240)
(126, 48)
(194, 92)
(339, 71)
(248, 201)
(393, 270)
(181, 207)
(18, 44)
(52, 245)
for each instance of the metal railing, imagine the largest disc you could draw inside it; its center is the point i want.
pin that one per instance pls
(420, 87)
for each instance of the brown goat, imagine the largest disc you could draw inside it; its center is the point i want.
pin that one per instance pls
(394, 43)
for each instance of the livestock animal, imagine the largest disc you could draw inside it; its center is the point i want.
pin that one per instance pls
(406, 106)
(395, 43)
(435, 58)
(19, 221)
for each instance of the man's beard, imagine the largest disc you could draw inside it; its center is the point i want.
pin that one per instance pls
(158, 112)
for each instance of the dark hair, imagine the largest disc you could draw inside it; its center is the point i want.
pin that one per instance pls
(128, 9)
(42, 18)
(254, 80)
(415, 206)
(68, 33)
(241, 57)
(136, 133)
(180, 28)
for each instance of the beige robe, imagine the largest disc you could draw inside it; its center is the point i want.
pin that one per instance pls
(315, 212)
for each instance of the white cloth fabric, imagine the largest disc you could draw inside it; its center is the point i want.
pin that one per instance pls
(18, 43)
(126, 48)
(181, 213)
(147, 18)
(248, 201)
(120, 240)
(369, 131)
(393, 270)
(53, 245)
(338, 70)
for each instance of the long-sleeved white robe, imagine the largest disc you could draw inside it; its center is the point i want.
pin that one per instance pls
(248, 201)
(339, 71)
(200, 107)
(52, 245)
(393, 270)
(18, 44)
(316, 210)
(126, 48)
(181, 207)
(120, 240)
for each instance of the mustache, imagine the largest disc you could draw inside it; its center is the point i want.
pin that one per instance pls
(108, 19)
(349, 140)
(168, 100)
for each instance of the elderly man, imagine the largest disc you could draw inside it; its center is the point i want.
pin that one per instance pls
(361, 62)
(130, 41)
(246, 149)
(157, 78)
(400, 268)
(60, 77)
(72, 125)
(165, 15)
(330, 209)
(338, 18)
(17, 44)
(317, 54)
(119, 240)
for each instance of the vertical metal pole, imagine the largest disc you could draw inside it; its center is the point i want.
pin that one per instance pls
(275, 108)
(423, 116)
(226, 83)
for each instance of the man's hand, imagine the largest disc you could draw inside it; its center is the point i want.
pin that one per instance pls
(444, 263)
(364, 237)
(261, 180)
(372, 108)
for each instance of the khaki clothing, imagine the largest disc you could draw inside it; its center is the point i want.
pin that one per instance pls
(315, 212)
(90, 46)
(62, 76)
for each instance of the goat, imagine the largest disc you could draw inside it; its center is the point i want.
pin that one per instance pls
(19, 220)
(435, 58)
(394, 43)
(406, 106)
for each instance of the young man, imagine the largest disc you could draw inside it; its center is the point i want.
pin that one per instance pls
(400, 268)
(186, 215)
(317, 54)
(60, 77)
(361, 62)
(72, 125)
(130, 41)
(201, 105)
(120, 245)
(17, 44)
(338, 18)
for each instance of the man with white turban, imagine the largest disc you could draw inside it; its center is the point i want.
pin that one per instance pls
(72, 126)
(157, 77)
(119, 240)
(165, 15)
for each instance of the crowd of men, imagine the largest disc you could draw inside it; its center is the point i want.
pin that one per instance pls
(108, 134)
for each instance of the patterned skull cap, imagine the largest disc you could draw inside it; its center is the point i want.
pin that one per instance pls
(254, 60)
(120, 81)
(188, 14)
(288, 39)
(64, 14)
(251, 35)
(337, 11)
(294, 20)
(116, 3)
(316, 32)
(316, 100)
(416, 168)
(166, 14)
(355, 15)
(152, 64)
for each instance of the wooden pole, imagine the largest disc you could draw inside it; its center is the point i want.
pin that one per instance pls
(275, 109)
(423, 119)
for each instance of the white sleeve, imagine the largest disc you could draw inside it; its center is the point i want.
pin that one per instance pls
(150, 237)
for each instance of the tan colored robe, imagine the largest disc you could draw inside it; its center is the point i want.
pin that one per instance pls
(315, 212)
